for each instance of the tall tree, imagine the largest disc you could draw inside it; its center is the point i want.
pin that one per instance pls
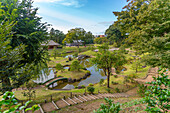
(146, 22)
(89, 38)
(77, 35)
(56, 35)
(114, 35)
(106, 60)
(28, 31)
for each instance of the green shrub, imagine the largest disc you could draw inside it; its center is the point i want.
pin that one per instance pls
(157, 95)
(114, 83)
(83, 86)
(10, 104)
(110, 107)
(75, 55)
(108, 90)
(76, 87)
(115, 76)
(90, 84)
(59, 67)
(117, 90)
(142, 89)
(101, 82)
(75, 66)
(90, 89)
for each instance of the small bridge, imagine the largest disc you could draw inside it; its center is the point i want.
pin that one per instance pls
(52, 81)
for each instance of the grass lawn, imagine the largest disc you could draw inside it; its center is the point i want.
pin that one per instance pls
(89, 53)
(141, 74)
(42, 94)
(121, 86)
(72, 74)
(67, 49)
(60, 60)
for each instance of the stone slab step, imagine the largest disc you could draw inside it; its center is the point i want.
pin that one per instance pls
(87, 98)
(47, 107)
(61, 103)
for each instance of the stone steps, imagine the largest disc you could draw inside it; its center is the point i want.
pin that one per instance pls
(53, 106)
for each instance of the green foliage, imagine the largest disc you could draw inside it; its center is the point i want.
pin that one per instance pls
(157, 95)
(136, 65)
(24, 35)
(117, 90)
(90, 84)
(90, 89)
(55, 53)
(83, 86)
(110, 107)
(114, 35)
(75, 66)
(30, 91)
(56, 35)
(108, 90)
(130, 78)
(142, 89)
(100, 40)
(78, 34)
(11, 105)
(101, 82)
(76, 87)
(150, 35)
(59, 67)
(114, 83)
(75, 55)
(106, 60)
(131, 104)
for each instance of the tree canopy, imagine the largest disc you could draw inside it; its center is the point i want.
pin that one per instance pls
(114, 35)
(78, 34)
(56, 35)
(27, 31)
(146, 24)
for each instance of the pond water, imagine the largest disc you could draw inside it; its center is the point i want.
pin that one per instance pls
(95, 77)
(44, 77)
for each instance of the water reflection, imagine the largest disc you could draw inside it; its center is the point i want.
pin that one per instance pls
(96, 75)
(44, 77)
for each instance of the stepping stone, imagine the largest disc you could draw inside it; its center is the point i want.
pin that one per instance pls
(61, 104)
(87, 98)
(95, 96)
(47, 107)
(99, 95)
(76, 100)
(55, 105)
(66, 102)
(72, 101)
(92, 98)
(69, 101)
(83, 98)
(40, 108)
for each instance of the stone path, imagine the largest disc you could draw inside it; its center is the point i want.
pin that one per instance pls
(53, 106)
(153, 72)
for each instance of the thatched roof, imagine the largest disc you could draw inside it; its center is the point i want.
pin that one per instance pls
(50, 43)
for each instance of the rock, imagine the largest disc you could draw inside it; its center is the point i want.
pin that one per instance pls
(70, 80)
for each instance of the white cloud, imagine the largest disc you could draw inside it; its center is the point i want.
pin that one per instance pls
(75, 3)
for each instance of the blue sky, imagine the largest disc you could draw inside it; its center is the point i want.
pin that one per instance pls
(92, 15)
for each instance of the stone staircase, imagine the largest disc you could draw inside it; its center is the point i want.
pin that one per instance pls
(53, 106)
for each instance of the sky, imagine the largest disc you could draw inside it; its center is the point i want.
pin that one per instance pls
(92, 15)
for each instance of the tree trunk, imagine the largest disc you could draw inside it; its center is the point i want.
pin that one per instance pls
(108, 79)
